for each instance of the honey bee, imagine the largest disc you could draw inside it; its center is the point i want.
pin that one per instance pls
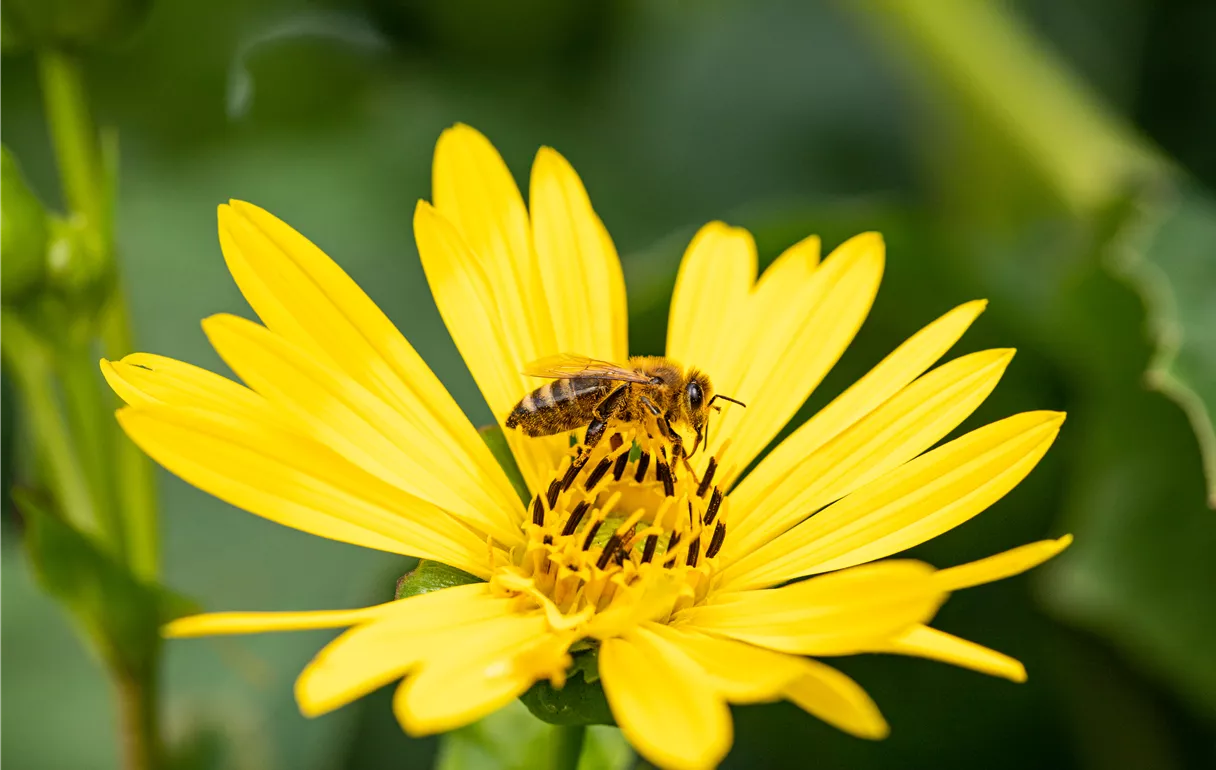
(591, 393)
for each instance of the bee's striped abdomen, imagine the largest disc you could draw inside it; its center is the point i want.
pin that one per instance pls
(559, 405)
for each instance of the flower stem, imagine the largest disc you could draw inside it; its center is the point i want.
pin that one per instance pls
(134, 478)
(114, 476)
(90, 418)
(139, 722)
(567, 746)
(30, 363)
(76, 147)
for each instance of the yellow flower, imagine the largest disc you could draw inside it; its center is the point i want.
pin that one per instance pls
(682, 581)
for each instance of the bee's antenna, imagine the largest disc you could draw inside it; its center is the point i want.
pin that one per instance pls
(716, 409)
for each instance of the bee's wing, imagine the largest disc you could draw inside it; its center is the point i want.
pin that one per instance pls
(569, 365)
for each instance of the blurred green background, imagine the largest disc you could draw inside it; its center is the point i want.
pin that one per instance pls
(787, 117)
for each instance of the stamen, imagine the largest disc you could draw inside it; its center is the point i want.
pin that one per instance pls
(597, 474)
(715, 502)
(555, 489)
(615, 441)
(643, 464)
(576, 516)
(548, 540)
(618, 469)
(610, 548)
(538, 512)
(576, 465)
(694, 551)
(708, 478)
(591, 534)
(652, 543)
(662, 471)
(715, 542)
(673, 541)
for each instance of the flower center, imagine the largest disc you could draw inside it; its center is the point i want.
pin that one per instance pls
(621, 526)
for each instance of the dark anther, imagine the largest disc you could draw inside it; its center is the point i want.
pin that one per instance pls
(615, 441)
(694, 551)
(575, 517)
(538, 512)
(708, 478)
(555, 489)
(652, 543)
(715, 542)
(673, 541)
(548, 539)
(618, 468)
(715, 502)
(643, 464)
(576, 465)
(597, 473)
(663, 472)
(591, 534)
(609, 549)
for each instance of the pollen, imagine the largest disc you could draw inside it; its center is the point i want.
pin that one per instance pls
(625, 524)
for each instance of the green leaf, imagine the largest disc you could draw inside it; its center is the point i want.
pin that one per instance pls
(1172, 265)
(497, 442)
(431, 576)
(511, 739)
(120, 613)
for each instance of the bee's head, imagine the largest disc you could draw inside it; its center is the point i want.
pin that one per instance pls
(697, 395)
(699, 399)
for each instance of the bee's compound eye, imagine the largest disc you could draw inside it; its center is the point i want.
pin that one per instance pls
(695, 395)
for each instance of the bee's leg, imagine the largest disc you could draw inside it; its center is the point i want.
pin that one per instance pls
(677, 448)
(604, 412)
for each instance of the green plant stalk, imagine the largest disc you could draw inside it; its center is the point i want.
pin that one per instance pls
(30, 365)
(567, 746)
(136, 694)
(995, 63)
(72, 133)
(134, 477)
(88, 190)
(90, 417)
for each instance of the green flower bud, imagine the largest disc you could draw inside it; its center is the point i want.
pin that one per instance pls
(23, 232)
(70, 23)
(431, 576)
(76, 264)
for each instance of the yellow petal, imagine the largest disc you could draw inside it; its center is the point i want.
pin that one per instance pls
(303, 296)
(1012, 562)
(918, 501)
(217, 623)
(479, 674)
(741, 673)
(907, 424)
(467, 295)
(664, 702)
(409, 632)
(474, 191)
(824, 692)
(901, 367)
(838, 614)
(296, 482)
(343, 415)
(578, 264)
(716, 275)
(790, 345)
(925, 642)
(142, 378)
